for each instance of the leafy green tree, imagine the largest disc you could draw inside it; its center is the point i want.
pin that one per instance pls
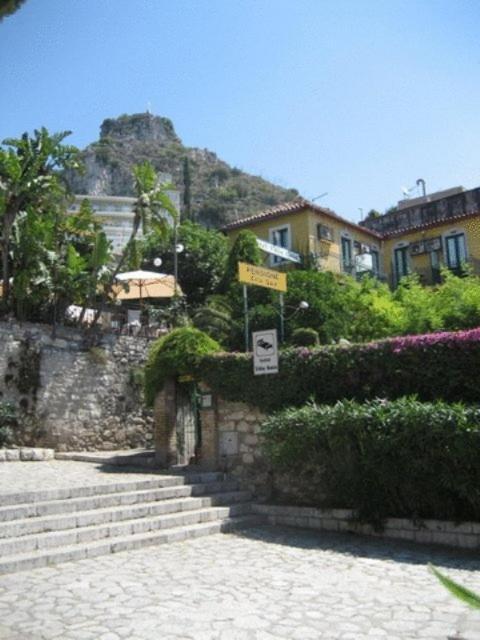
(418, 303)
(341, 307)
(372, 214)
(244, 249)
(7, 7)
(30, 179)
(200, 266)
(89, 254)
(262, 302)
(58, 259)
(457, 301)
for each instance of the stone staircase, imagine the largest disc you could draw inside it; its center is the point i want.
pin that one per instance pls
(46, 527)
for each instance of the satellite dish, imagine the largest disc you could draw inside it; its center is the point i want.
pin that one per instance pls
(406, 192)
(157, 262)
(179, 248)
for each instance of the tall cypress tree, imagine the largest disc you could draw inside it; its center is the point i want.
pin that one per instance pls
(187, 195)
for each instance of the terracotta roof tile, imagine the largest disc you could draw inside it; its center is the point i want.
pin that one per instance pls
(430, 225)
(294, 206)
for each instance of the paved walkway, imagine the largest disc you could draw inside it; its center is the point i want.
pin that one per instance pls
(260, 585)
(16, 477)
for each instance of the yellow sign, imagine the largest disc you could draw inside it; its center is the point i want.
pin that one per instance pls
(186, 378)
(249, 274)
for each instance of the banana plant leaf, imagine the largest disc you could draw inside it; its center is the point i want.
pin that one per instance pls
(462, 593)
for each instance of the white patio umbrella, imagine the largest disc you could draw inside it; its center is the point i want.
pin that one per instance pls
(145, 284)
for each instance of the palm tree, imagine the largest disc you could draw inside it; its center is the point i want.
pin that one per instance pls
(152, 202)
(149, 209)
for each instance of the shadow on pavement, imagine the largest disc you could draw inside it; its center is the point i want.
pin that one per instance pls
(360, 546)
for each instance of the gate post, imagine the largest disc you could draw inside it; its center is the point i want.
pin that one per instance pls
(208, 421)
(165, 435)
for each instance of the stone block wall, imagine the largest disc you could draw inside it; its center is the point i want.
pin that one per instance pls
(230, 440)
(69, 398)
(465, 535)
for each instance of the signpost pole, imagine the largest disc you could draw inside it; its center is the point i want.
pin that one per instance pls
(245, 311)
(282, 319)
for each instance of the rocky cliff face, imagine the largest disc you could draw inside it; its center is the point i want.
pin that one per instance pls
(212, 192)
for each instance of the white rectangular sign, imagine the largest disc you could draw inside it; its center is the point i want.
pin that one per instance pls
(281, 252)
(265, 352)
(364, 262)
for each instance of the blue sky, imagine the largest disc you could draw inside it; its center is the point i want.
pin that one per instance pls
(356, 98)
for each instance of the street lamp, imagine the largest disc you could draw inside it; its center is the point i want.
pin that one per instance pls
(302, 306)
(178, 248)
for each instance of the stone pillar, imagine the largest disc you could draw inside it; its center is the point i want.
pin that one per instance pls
(165, 432)
(208, 422)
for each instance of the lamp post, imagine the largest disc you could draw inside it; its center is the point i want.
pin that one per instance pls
(302, 306)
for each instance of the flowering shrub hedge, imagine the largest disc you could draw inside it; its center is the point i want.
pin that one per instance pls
(383, 459)
(432, 366)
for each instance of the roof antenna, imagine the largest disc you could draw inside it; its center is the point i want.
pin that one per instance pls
(322, 195)
(421, 181)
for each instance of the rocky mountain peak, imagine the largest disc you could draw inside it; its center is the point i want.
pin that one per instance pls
(141, 127)
(211, 191)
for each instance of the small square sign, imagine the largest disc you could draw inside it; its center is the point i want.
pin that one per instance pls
(265, 352)
(206, 400)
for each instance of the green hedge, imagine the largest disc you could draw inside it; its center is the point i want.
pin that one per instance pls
(383, 459)
(305, 337)
(433, 366)
(177, 353)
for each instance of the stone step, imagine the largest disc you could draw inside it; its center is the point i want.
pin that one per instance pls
(31, 560)
(130, 457)
(170, 503)
(86, 534)
(123, 496)
(160, 481)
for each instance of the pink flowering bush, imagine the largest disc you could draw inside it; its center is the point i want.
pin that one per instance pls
(432, 366)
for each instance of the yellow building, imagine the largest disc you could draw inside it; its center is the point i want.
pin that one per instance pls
(418, 236)
(309, 230)
(423, 235)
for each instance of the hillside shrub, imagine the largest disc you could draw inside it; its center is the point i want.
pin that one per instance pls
(305, 337)
(433, 366)
(177, 353)
(383, 459)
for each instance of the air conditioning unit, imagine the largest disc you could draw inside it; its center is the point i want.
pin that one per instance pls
(417, 248)
(324, 232)
(433, 244)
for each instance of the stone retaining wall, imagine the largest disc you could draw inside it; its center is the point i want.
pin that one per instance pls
(465, 535)
(72, 398)
(233, 437)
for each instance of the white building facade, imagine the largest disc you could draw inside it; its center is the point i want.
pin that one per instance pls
(115, 213)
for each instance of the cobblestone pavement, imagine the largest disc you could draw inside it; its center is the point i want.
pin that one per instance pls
(16, 477)
(262, 584)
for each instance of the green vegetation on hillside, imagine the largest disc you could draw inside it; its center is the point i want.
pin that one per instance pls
(212, 192)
